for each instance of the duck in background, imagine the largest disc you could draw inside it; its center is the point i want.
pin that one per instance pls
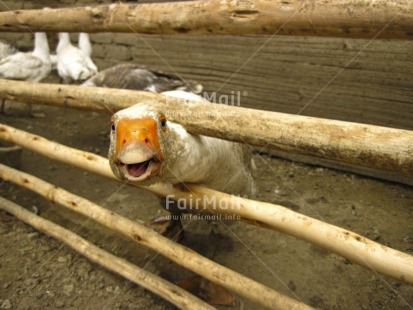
(28, 66)
(137, 77)
(74, 63)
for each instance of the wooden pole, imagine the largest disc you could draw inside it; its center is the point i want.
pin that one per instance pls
(170, 292)
(145, 236)
(337, 18)
(371, 146)
(337, 240)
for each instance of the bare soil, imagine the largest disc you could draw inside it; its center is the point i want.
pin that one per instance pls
(38, 272)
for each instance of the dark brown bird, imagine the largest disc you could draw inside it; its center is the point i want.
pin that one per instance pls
(137, 77)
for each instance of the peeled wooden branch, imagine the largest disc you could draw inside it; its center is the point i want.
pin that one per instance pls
(143, 235)
(337, 240)
(170, 292)
(342, 18)
(365, 145)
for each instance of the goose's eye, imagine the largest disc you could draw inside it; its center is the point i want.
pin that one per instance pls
(162, 121)
(113, 127)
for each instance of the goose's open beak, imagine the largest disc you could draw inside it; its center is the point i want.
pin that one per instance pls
(138, 154)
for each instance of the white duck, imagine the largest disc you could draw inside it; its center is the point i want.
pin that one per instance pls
(74, 63)
(137, 77)
(30, 66)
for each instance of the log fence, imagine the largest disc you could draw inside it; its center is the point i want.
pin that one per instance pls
(382, 148)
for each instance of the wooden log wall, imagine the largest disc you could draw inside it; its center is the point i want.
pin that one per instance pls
(283, 74)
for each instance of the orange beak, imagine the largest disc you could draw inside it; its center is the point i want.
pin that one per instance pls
(139, 131)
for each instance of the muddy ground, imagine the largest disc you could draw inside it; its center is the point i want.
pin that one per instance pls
(38, 272)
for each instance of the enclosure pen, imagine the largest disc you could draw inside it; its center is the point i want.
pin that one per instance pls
(371, 146)
(337, 240)
(340, 18)
(155, 284)
(141, 234)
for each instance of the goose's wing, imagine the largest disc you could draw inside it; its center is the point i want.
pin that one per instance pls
(166, 81)
(20, 66)
(6, 49)
(75, 64)
(124, 76)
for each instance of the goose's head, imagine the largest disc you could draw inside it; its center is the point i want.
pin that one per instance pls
(137, 144)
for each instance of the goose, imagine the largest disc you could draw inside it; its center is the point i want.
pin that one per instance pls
(74, 63)
(30, 66)
(6, 49)
(147, 148)
(137, 77)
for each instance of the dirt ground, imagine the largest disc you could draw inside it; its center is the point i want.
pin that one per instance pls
(38, 272)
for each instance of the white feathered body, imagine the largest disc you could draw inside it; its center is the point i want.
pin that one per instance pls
(6, 49)
(73, 64)
(31, 66)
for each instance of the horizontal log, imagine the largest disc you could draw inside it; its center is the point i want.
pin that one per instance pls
(371, 146)
(143, 235)
(341, 18)
(345, 243)
(372, 173)
(170, 292)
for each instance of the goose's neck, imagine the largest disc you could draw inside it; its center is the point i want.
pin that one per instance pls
(184, 158)
(84, 43)
(215, 163)
(41, 46)
(64, 41)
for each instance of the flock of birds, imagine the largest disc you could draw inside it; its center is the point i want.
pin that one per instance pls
(145, 147)
(170, 154)
(75, 65)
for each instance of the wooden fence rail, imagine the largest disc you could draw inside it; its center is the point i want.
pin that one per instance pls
(140, 276)
(143, 235)
(371, 146)
(337, 240)
(337, 18)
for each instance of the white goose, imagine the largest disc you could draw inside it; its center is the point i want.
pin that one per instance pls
(30, 66)
(6, 49)
(74, 63)
(137, 77)
(146, 148)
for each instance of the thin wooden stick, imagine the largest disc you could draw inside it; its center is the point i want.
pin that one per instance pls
(337, 240)
(340, 18)
(139, 233)
(365, 145)
(170, 292)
